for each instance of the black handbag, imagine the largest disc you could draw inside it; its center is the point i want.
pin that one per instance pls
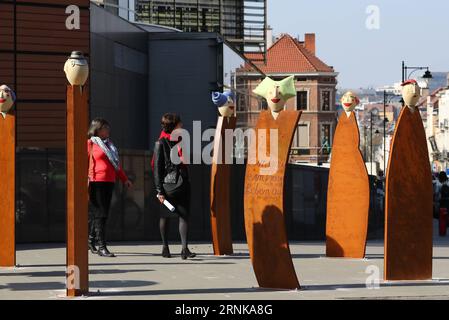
(173, 179)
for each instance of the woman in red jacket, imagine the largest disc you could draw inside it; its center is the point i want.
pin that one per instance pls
(104, 167)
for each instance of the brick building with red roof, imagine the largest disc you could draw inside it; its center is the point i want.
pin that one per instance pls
(316, 91)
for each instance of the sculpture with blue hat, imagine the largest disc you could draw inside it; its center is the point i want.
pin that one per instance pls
(225, 102)
(220, 209)
(7, 99)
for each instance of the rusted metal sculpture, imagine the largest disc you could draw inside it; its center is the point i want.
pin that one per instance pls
(220, 206)
(408, 210)
(264, 189)
(348, 189)
(76, 70)
(8, 170)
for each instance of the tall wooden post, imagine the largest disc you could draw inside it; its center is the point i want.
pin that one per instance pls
(7, 190)
(77, 167)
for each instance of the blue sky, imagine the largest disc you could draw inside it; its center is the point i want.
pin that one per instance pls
(410, 30)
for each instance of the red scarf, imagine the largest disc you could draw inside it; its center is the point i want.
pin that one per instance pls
(168, 137)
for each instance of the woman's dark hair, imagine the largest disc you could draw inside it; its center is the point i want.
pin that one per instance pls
(442, 177)
(169, 122)
(96, 125)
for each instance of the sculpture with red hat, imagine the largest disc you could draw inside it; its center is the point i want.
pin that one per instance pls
(409, 196)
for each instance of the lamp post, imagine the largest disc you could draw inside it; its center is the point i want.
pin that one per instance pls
(373, 112)
(386, 100)
(427, 75)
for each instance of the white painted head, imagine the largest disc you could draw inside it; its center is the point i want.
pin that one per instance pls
(76, 69)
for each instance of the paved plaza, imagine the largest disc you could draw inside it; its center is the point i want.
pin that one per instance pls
(139, 272)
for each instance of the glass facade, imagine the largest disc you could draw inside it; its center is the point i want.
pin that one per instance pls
(241, 23)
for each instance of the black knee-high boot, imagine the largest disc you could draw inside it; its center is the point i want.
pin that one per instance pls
(100, 226)
(92, 235)
(183, 226)
(163, 228)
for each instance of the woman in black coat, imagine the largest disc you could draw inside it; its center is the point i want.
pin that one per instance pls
(172, 184)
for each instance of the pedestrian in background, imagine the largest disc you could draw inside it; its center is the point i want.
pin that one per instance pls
(172, 184)
(443, 192)
(104, 167)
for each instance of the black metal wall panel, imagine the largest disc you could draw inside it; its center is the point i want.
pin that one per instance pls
(119, 76)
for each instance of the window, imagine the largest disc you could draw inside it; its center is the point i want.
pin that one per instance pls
(325, 100)
(302, 98)
(303, 135)
(325, 141)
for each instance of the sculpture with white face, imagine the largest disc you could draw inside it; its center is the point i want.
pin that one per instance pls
(276, 93)
(76, 69)
(7, 99)
(349, 101)
(411, 93)
(224, 102)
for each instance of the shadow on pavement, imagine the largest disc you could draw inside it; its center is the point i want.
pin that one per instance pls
(178, 292)
(326, 287)
(62, 273)
(39, 286)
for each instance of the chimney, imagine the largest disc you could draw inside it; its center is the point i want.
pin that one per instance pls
(309, 42)
(269, 37)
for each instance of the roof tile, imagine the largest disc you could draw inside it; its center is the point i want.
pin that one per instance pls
(288, 55)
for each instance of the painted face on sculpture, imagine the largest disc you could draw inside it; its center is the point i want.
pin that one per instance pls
(276, 92)
(275, 99)
(411, 93)
(76, 69)
(349, 101)
(7, 99)
(228, 109)
(224, 102)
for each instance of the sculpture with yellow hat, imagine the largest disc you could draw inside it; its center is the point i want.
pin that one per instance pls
(276, 93)
(264, 192)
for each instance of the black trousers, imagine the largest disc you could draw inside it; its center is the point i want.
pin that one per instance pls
(100, 196)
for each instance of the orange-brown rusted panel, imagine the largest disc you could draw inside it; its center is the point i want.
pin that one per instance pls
(348, 194)
(77, 254)
(7, 190)
(408, 228)
(264, 206)
(220, 206)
